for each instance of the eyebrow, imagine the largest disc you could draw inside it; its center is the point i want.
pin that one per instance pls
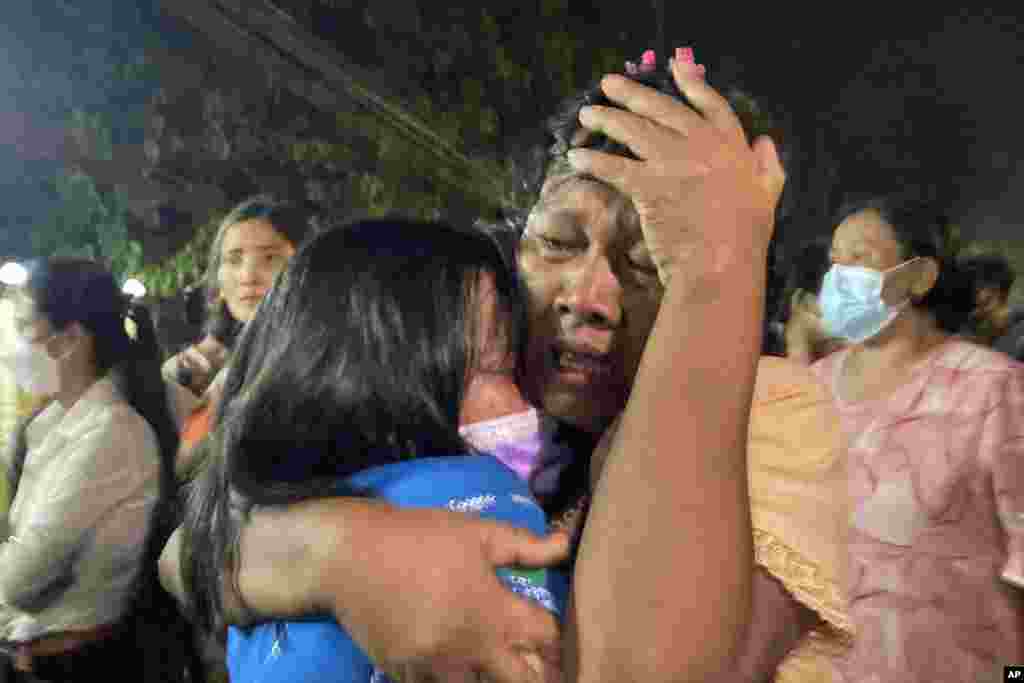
(258, 247)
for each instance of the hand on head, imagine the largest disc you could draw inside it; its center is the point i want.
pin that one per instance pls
(696, 183)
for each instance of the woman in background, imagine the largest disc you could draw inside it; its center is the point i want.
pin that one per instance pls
(91, 478)
(936, 455)
(252, 244)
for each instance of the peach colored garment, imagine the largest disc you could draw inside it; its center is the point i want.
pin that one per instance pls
(799, 506)
(936, 476)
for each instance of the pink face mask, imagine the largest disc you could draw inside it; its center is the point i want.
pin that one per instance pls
(514, 439)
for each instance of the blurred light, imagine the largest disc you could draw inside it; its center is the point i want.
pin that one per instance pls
(13, 274)
(134, 288)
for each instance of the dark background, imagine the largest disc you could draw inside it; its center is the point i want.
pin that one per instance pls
(882, 97)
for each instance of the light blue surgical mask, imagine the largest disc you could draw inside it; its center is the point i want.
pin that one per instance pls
(851, 302)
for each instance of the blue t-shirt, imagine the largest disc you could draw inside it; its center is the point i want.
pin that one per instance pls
(321, 650)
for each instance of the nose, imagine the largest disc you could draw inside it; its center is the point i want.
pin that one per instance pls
(251, 272)
(591, 295)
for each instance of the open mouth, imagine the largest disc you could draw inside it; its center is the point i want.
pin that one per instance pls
(585, 365)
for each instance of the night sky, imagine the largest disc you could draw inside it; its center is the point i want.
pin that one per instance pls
(927, 99)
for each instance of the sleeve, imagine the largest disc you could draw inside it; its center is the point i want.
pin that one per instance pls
(111, 463)
(1001, 447)
(798, 489)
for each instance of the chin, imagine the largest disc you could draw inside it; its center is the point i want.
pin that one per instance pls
(587, 413)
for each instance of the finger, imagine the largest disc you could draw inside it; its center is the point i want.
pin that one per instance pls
(708, 101)
(643, 136)
(618, 171)
(507, 665)
(628, 176)
(529, 626)
(509, 546)
(645, 101)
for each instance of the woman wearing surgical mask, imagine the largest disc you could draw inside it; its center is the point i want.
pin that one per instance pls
(934, 427)
(91, 475)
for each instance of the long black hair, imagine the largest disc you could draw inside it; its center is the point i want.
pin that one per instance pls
(290, 220)
(358, 356)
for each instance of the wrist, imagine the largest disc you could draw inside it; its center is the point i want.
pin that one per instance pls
(713, 261)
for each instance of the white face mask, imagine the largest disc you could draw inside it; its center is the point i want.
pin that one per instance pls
(34, 370)
(851, 302)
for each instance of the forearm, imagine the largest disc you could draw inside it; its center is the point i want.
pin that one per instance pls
(294, 561)
(663, 581)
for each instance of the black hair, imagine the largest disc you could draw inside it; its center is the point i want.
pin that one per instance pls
(804, 272)
(564, 128)
(989, 271)
(67, 291)
(922, 229)
(290, 220)
(358, 356)
(563, 133)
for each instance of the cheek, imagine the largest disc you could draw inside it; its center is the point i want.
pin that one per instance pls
(540, 282)
(641, 312)
(226, 278)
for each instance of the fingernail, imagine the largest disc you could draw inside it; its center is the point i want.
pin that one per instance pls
(586, 115)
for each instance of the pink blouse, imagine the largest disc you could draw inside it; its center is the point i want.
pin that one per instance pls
(937, 494)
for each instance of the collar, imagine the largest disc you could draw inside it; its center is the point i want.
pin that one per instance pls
(102, 393)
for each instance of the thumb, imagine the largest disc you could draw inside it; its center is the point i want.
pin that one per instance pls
(508, 546)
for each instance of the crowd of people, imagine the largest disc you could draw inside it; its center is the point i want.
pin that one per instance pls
(615, 439)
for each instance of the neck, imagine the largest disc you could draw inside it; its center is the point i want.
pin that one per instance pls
(799, 343)
(490, 396)
(910, 336)
(73, 387)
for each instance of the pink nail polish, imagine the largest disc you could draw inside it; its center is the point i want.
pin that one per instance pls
(649, 58)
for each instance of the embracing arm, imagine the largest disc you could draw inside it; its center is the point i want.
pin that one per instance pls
(669, 523)
(663, 580)
(416, 588)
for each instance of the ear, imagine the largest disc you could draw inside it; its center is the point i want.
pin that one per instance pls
(802, 301)
(926, 275)
(769, 165)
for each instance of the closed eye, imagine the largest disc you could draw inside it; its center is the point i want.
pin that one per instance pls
(557, 245)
